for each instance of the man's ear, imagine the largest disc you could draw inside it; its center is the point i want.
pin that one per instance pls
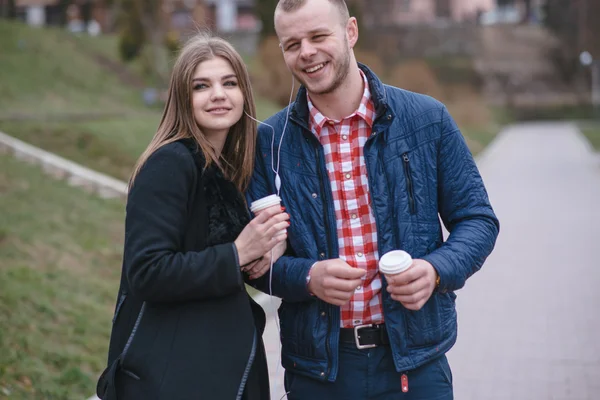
(352, 31)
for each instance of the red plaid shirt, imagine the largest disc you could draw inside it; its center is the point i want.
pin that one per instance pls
(343, 142)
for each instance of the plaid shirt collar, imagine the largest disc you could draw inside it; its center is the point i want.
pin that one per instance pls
(318, 120)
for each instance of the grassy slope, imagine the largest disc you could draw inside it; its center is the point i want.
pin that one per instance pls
(60, 251)
(592, 133)
(51, 73)
(44, 72)
(60, 248)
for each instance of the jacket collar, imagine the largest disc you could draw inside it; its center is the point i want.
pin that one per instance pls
(300, 114)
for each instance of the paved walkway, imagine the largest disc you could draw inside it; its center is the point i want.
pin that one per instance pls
(529, 321)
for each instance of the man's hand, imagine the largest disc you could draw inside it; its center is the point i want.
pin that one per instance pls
(334, 281)
(414, 286)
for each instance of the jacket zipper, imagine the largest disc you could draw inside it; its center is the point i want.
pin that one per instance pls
(247, 370)
(119, 305)
(325, 216)
(409, 183)
(133, 332)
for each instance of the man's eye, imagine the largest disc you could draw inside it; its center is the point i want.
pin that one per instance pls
(292, 46)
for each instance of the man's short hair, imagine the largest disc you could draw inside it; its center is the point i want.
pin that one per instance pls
(293, 5)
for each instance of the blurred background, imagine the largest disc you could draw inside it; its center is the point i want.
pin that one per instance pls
(86, 80)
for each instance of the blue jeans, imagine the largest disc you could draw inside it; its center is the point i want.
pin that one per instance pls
(370, 375)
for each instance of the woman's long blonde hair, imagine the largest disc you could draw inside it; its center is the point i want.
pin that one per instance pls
(178, 122)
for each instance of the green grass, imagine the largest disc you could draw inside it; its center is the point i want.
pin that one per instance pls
(60, 251)
(592, 133)
(479, 137)
(43, 72)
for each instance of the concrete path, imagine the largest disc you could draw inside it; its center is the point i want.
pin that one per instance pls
(529, 321)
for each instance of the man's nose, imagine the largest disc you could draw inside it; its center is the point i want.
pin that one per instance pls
(307, 50)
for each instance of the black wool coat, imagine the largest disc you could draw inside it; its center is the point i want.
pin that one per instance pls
(184, 326)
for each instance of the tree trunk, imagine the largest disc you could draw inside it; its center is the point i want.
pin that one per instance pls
(528, 11)
(8, 9)
(265, 10)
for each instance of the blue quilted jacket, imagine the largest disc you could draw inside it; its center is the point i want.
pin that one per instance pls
(418, 168)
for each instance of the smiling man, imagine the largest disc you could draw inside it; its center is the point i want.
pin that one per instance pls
(365, 169)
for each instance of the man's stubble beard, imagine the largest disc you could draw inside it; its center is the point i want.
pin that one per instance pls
(340, 76)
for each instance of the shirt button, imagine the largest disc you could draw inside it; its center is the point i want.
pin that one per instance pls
(359, 254)
(330, 122)
(322, 373)
(353, 216)
(345, 137)
(323, 314)
(322, 255)
(358, 288)
(348, 176)
(314, 195)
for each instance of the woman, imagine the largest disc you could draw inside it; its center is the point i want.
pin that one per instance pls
(184, 326)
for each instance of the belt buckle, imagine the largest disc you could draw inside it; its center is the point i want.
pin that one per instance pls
(356, 337)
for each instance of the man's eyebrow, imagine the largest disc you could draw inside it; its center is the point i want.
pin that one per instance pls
(310, 33)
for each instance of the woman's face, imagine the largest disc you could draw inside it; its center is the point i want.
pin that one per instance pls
(217, 100)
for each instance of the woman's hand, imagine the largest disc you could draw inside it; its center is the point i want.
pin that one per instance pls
(258, 268)
(261, 235)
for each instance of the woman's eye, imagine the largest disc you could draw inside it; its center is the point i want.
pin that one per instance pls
(199, 86)
(230, 83)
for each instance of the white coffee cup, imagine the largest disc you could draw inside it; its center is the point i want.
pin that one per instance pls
(394, 262)
(260, 205)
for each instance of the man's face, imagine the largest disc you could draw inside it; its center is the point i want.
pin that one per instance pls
(316, 45)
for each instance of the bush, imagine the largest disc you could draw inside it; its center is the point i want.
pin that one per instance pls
(416, 76)
(130, 45)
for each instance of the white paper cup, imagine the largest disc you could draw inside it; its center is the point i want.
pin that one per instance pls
(394, 262)
(260, 205)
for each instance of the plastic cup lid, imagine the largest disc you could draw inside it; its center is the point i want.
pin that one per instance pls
(395, 262)
(265, 202)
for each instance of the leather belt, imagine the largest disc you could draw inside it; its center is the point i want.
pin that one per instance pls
(365, 336)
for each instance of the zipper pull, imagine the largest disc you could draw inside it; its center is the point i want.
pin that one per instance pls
(404, 381)
(405, 157)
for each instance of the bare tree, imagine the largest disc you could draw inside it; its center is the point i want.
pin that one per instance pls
(8, 9)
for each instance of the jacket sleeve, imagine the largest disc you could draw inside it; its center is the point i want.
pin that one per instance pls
(157, 268)
(465, 210)
(287, 278)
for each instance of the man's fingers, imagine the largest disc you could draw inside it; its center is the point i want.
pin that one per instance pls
(404, 278)
(347, 272)
(410, 289)
(415, 298)
(337, 297)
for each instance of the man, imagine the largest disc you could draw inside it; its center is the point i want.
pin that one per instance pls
(365, 168)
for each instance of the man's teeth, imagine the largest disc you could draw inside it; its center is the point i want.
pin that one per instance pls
(315, 68)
